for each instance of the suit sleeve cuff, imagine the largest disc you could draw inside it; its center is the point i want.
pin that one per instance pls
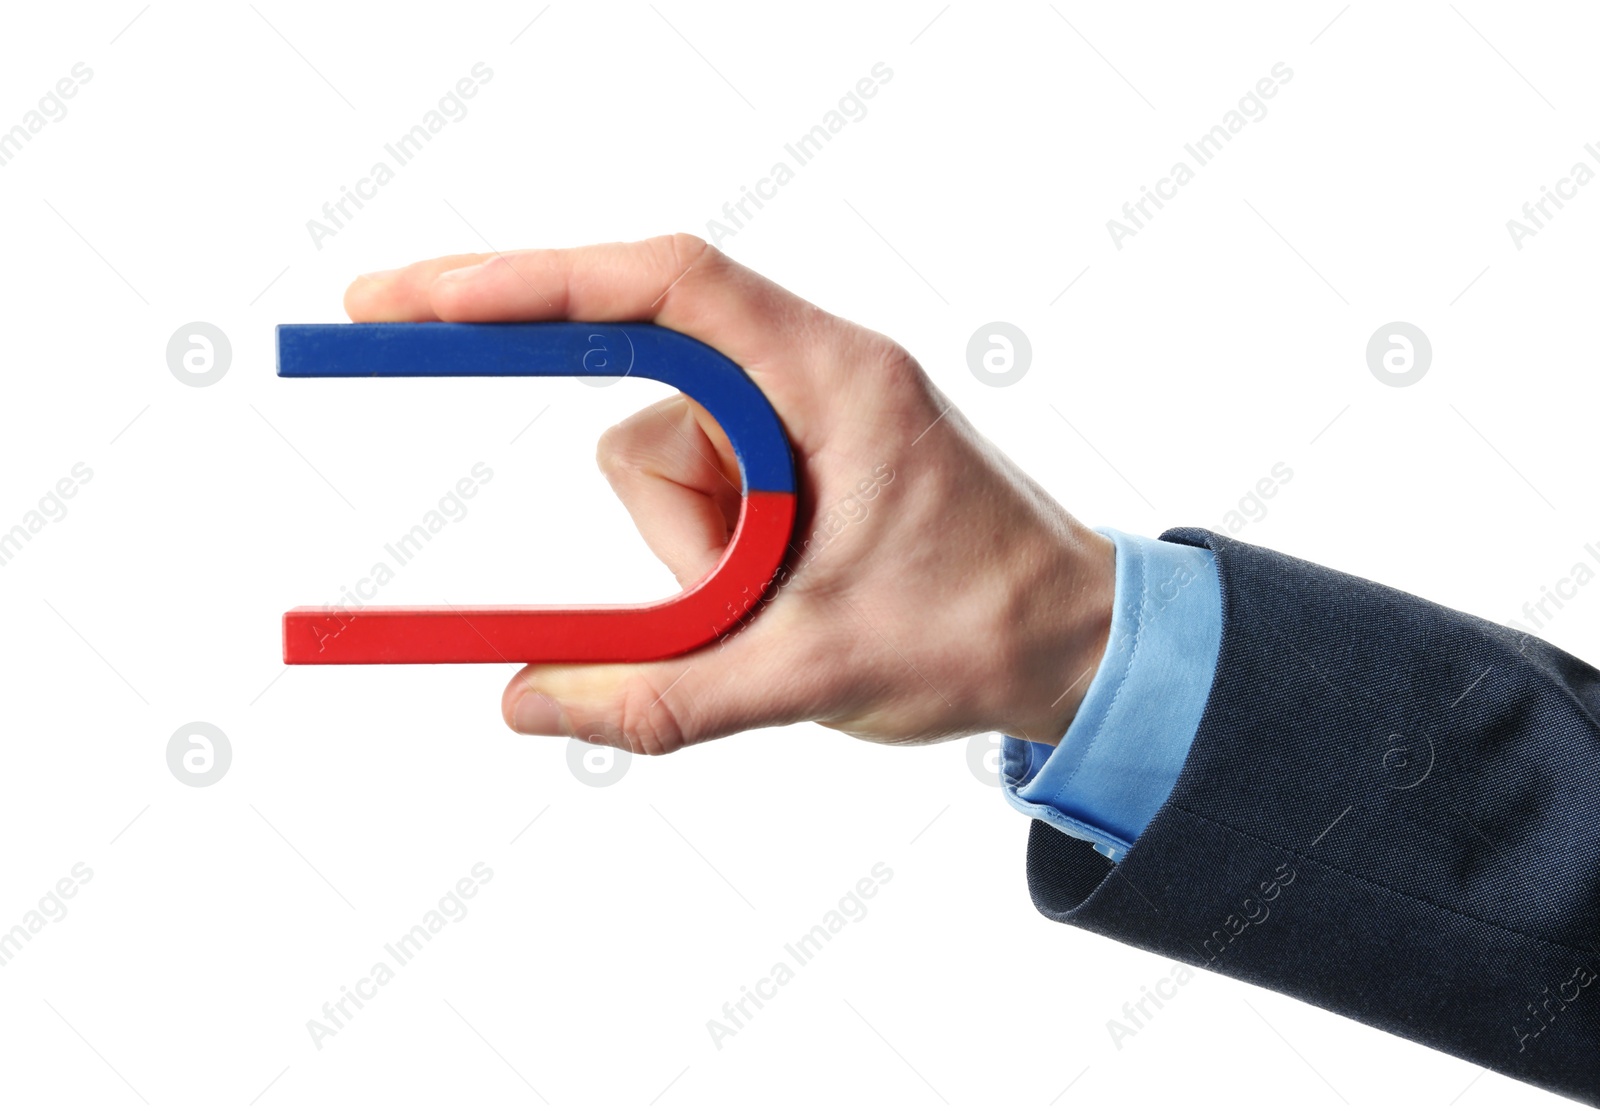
(1122, 754)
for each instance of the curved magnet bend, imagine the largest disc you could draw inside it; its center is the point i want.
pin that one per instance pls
(556, 634)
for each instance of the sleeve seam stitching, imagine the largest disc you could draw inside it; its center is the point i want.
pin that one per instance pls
(1385, 887)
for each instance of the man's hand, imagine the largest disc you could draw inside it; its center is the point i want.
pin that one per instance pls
(932, 591)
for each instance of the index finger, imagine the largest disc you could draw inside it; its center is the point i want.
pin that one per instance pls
(678, 281)
(403, 295)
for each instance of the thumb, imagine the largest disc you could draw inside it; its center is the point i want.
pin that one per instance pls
(659, 707)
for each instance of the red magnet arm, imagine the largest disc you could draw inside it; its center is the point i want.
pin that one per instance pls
(551, 634)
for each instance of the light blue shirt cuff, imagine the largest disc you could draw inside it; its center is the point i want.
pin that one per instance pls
(1122, 754)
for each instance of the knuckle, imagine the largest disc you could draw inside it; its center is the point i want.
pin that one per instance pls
(876, 356)
(651, 441)
(497, 263)
(896, 361)
(649, 724)
(898, 373)
(686, 251)
(688, 247)
(615, 452)
(628, 449)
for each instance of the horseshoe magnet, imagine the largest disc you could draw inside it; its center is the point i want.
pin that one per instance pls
(556, 634)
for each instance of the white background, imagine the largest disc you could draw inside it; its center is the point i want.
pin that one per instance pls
(1227, 336)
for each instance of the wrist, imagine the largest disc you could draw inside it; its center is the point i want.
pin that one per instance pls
(1058, 631)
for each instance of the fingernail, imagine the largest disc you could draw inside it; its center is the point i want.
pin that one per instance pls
(536, 714)
(460, 273)
(378, 275)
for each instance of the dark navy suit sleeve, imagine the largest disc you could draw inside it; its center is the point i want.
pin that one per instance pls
(1390, 810)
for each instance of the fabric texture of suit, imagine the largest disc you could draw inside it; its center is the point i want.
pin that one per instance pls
(1390, 810)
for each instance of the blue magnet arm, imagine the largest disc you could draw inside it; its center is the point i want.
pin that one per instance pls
(555, 349)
